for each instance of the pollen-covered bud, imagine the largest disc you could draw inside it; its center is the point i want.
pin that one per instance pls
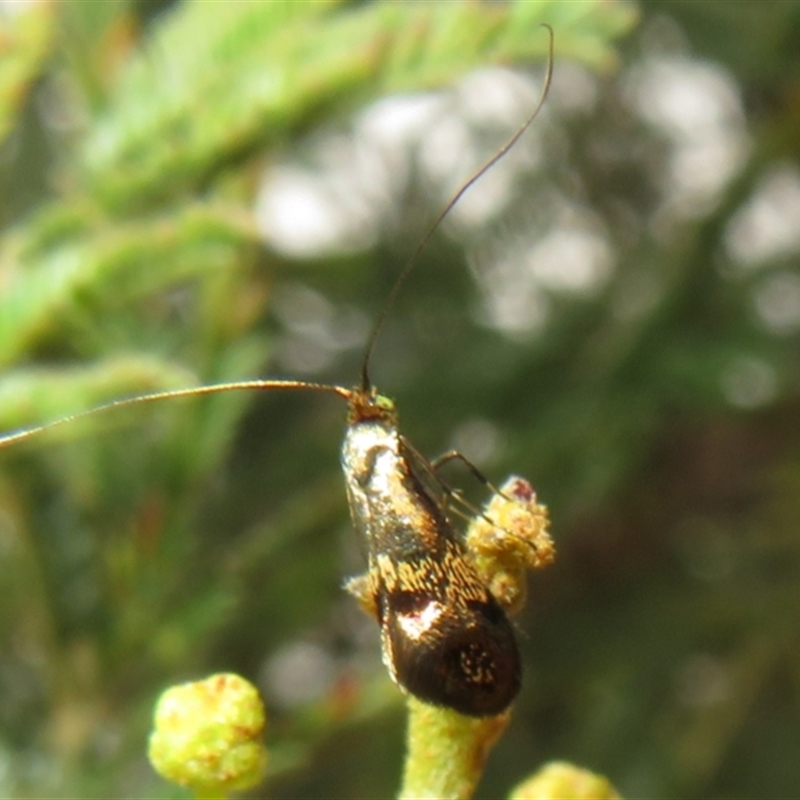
(560, 779)
(509, 538)
(208, 735)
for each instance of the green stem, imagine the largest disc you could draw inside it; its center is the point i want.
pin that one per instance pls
(446, 752)
(210, 793)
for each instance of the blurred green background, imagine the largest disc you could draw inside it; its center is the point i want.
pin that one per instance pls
(194, 192)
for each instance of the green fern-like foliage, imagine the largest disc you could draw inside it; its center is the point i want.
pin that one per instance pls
(147, 545)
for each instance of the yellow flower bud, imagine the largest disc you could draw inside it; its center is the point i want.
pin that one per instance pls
(509, 538)
(208, 735)
(560, 779)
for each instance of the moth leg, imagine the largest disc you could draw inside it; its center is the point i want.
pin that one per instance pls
(456, 455)
(450, 492)
(510, 497)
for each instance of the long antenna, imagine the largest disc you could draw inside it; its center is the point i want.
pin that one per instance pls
(412, 262)
(171, 394)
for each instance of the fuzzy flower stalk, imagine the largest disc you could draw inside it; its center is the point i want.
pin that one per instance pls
(208, 735)
(446, 751)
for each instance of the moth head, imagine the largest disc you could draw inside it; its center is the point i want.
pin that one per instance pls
(367, 404)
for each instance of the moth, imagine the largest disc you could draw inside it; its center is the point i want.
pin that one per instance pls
(446, 638)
